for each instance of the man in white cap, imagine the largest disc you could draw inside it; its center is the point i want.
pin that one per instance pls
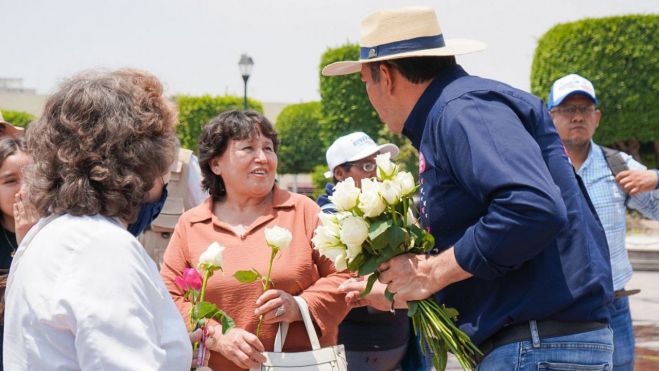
(519, 250)
(383, 346)
(615, 182)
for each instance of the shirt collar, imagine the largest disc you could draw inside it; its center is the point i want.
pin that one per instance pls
(280, 199)
(416, 121)
(590, 158)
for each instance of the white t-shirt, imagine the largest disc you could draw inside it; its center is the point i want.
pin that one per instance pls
(83, 294)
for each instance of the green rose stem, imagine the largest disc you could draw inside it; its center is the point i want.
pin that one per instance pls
(193, 323)
(266, 285)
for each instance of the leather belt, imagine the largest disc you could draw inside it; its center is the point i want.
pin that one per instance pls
(623, 293)
(546, 329)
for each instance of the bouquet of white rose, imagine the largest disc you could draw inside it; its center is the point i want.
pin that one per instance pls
(375, 223)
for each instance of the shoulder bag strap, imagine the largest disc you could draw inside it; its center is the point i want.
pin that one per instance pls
(280, 338)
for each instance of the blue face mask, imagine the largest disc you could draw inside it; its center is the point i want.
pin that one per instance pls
(149, 211)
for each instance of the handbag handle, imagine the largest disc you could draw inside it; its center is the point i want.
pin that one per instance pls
(280, 338)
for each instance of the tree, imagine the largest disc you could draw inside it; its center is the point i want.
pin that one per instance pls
(17, 118)
(301, 148)
(345, 105)
(195, 112)
(620, 56)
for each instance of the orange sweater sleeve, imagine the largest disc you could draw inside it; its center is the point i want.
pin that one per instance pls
(175, 260)
(327, 306)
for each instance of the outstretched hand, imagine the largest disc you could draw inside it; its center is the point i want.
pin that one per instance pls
(353, 288)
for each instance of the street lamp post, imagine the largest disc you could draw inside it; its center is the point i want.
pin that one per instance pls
(245, 64)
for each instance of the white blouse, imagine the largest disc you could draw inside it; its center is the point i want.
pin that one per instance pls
(83, 294)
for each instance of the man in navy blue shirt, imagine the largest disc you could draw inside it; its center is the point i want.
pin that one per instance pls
(520, 252)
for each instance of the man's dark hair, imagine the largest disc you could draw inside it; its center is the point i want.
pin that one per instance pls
(416, 69)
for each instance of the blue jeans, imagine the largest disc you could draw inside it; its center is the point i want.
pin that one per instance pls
(623, 335)
(586, 351)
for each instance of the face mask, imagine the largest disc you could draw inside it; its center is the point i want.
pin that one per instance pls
(149, 211)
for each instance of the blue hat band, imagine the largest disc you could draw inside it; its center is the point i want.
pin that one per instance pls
(402, 46)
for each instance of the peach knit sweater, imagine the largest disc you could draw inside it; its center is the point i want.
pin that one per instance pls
(298, 270)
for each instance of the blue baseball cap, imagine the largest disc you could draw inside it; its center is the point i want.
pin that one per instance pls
(569, 85)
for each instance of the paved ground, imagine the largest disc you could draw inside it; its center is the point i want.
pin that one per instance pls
(645, 314)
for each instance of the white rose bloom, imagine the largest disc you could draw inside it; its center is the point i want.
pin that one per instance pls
(354, 230)
(405, 181)
(212, 255)
(341, 262)
(345, 195)
(411, 218)
(390, 191)
(353, 251)
(326, 237)
(370, 201)
(328, 219)
(386, 168)
(278, 237)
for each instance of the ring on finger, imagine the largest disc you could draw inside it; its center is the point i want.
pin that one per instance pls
(280, 311)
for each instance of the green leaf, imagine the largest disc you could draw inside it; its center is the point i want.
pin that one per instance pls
(412, 307)
(227, 324)
(369, 284)
(246, 276)
(378, 227)
(204, 309)
(389, 295)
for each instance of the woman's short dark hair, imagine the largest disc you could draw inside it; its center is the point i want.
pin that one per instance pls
(10, 145)
(416, 69)
(215, 137)
(101, 143)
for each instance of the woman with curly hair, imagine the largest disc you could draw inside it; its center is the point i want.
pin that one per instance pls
(82, 292)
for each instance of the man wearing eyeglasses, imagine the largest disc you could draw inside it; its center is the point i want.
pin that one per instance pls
(573, 108)
(374, 340)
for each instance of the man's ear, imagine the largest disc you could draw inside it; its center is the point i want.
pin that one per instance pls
(387, 78)
(339, 173)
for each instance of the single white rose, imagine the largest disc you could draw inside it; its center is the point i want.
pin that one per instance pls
(278, 237)
(353, 251)
(345, 195)
(354, 230)
(337, 254)
(370, 201)
(326, 236)
(386, 168)
(390, 191)
(328, 219)
(411, 218)
(212, 256)
(405, 182)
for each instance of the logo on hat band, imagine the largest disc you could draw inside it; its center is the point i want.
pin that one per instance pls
(402, 46)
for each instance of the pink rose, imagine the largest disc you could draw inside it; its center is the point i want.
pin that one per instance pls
(190, 280)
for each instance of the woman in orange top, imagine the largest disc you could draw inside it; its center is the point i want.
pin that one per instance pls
(238, 159)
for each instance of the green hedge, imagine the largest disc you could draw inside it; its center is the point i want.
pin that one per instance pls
(345, 105)
(17, 118)
(620, 56)
(196, 111)
(301, 148)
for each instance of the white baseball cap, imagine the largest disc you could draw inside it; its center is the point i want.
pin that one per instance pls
(352, 147)
(568, 85)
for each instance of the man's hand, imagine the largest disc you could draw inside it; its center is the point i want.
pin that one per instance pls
(409, 277)
(637, 181)
(416, 277)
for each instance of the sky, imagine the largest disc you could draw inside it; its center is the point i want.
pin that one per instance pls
(194, 46)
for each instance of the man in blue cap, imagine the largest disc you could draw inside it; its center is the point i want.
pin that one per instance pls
(519, 250)
(615, 182)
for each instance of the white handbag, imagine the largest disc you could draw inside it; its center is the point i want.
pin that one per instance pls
(317, 359)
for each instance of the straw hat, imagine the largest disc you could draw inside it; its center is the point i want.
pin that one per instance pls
(7, 129)
(402, 33)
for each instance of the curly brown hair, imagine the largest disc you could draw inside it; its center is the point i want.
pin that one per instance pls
(215, 137)
(101, 143)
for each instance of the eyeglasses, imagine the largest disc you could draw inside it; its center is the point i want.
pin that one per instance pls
(366, 166)
(572, 110)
